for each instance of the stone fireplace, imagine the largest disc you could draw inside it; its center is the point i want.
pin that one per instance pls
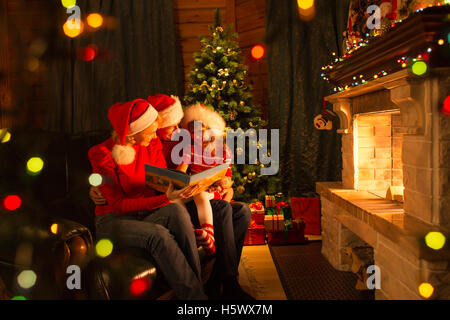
(395, 182)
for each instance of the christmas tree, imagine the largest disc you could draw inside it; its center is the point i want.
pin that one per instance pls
(217, 80)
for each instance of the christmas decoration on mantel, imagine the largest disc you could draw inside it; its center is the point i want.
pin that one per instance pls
(417, 43)
(217, 80)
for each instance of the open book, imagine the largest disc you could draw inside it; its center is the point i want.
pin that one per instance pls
(159, 178)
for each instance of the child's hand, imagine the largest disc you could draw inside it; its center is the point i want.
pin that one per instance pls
(184, 193)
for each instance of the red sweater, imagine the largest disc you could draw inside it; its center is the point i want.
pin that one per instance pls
(124, 185)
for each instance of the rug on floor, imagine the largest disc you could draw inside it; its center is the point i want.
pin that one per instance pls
(307, 275)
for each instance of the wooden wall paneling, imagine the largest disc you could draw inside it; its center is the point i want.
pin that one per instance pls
(250, 7)
(231, 14)
(256, 21)
(197, 15)
(193, 30)
(198, 4)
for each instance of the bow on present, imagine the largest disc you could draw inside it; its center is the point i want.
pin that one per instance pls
(256, 206)
(281, 205)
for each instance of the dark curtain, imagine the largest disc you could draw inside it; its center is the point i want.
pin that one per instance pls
(297, 50)
(139, 57)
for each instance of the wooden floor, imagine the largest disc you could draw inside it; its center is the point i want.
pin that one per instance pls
(258, 275)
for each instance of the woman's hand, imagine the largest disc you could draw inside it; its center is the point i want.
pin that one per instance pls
(96, 196)
(184, 193)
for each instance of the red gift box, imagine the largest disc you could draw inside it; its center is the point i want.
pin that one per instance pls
(286, 237)
(256, 234)
(258, 212)
(307, 209)
(295, 235)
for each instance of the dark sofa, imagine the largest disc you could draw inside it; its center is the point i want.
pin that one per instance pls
(59, 195)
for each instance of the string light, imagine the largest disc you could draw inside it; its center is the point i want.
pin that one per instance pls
(12, 202)
(446, 106)
(35, 165)
(426, 290)
(73, 30)
(104, 247)
(87, 53)
(257, 52)
(54, 228)
(5, 136)
(27, 279)
(435, 240)
(68, 3)
(95, 179)
(139, 286)
(95, 20)
(419, 68)
(305, 4)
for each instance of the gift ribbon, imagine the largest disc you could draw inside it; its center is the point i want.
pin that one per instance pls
(280, 205)
(273, 224)
(256, 206)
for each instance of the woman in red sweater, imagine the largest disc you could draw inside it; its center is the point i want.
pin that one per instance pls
(135, 215)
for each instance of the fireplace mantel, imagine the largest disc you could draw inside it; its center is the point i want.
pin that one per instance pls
(406, 93)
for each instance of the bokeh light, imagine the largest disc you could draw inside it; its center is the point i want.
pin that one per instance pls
(441, 42)
(104, 247)
(87, 53)
(35, 165)
(435, 240)
(5, 136)
(446, 106)
(95, 180)
(257, 52)
(12, 202)
(95, 20)
(419, 68)
(139, 286)
(18, 298)
(38, 47)
(426, 290)
(54, 228)
(306, 9)
(68, 3)
(305, 4)
(33, 64)
(26, 279)
(73, 30)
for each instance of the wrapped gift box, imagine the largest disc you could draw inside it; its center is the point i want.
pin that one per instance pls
(286, 237)
(308, 209)
(294, 233)
(258, 211)
(256, 234)
(274, 222)
(270, 201)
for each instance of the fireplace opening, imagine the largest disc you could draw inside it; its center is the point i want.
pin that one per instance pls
(378, 154)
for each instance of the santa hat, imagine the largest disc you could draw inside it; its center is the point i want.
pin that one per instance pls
(169, 109)
(209, 118)
(127, 119)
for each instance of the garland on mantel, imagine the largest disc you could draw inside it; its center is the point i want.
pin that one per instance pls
(417, 63)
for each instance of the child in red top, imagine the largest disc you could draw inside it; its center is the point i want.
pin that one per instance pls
(205, 154)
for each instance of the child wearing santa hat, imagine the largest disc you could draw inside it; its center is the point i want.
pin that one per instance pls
(171, 113)
(211, 122)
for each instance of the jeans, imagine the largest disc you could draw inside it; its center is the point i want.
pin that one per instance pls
(231, 221)
(168, 237)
